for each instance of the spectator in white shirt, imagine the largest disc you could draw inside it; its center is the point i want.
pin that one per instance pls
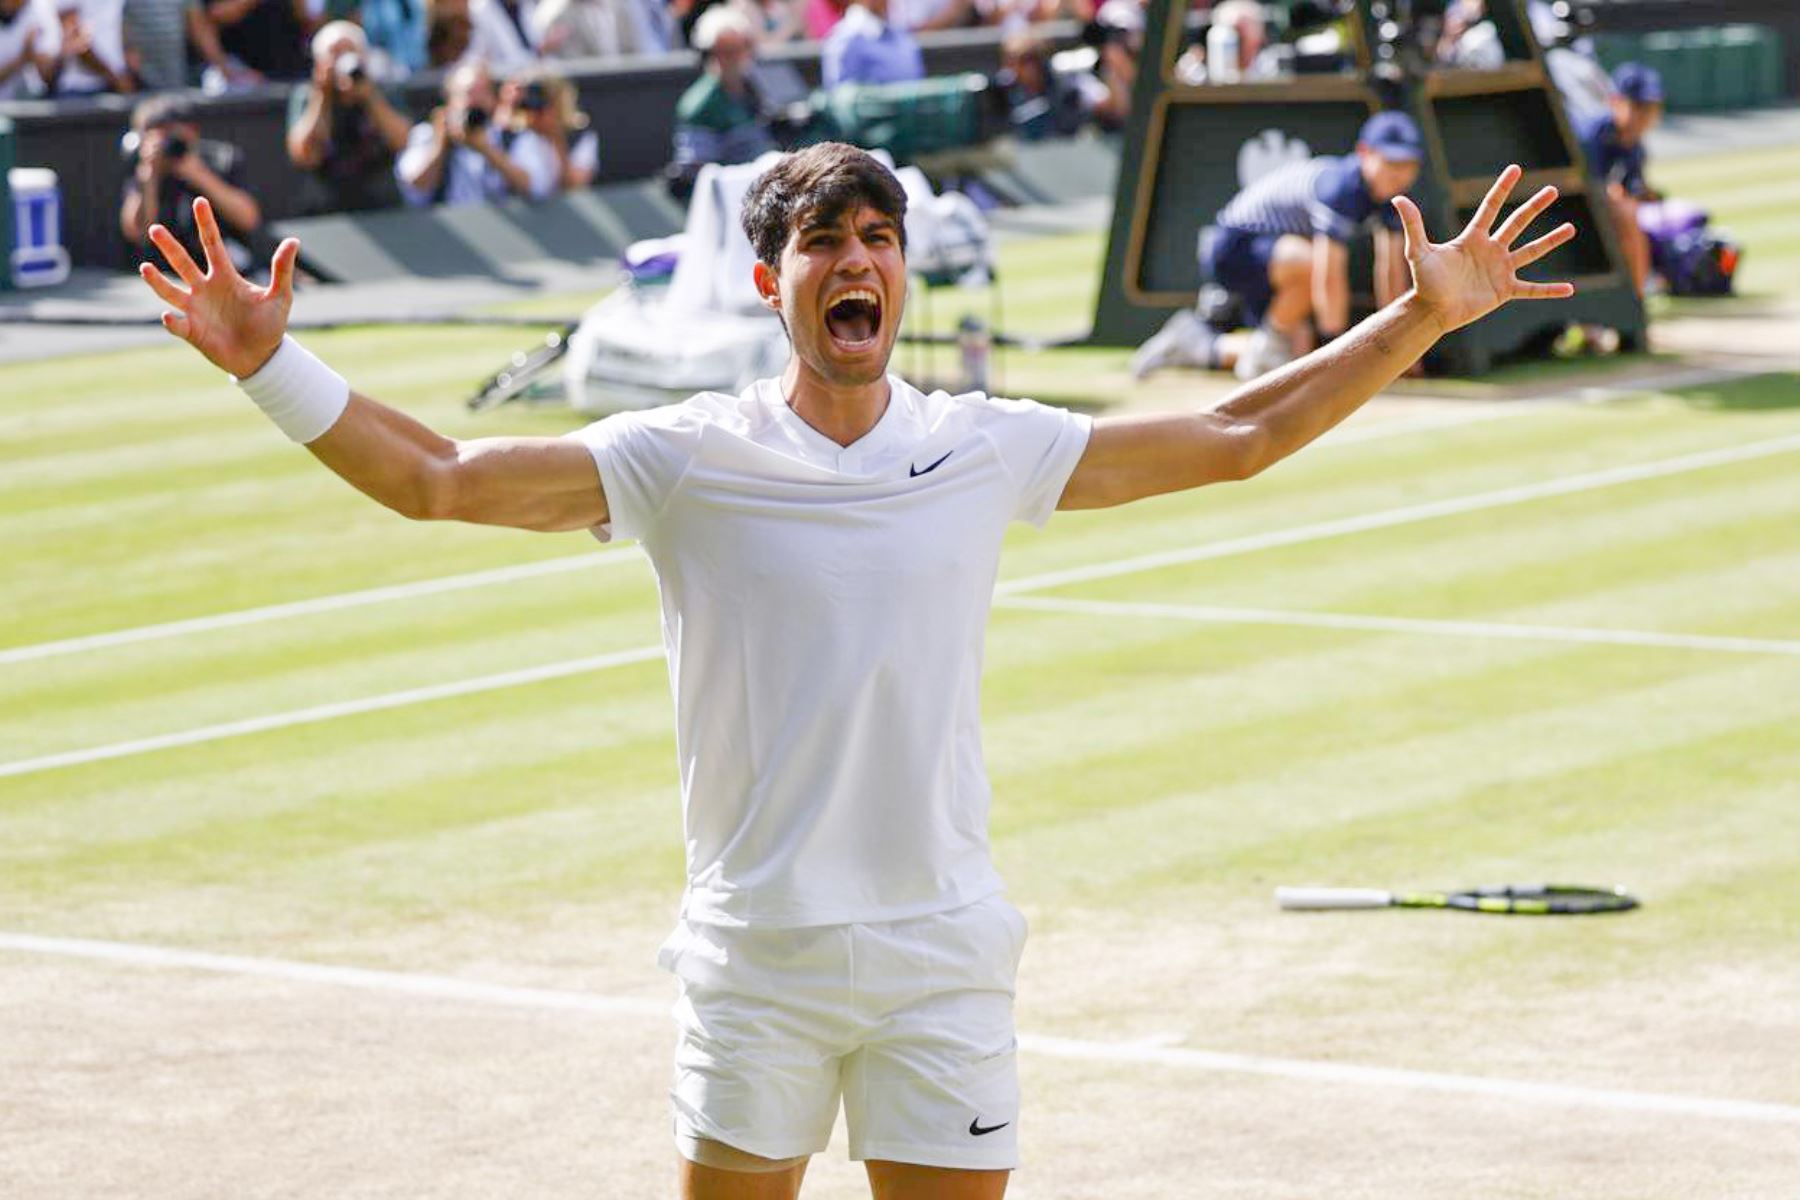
(30, 40)
(550, 132)
(91, 58)
(502, 34)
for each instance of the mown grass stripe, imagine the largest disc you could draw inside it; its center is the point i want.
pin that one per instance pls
(327, 712)
(319, 604)
(1407, 514)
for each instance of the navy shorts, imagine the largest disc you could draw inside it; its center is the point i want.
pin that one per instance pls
(1238, 261)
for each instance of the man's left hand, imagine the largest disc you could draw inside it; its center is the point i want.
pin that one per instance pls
(1477, 271)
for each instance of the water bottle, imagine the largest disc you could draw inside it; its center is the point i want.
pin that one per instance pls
(1222, 53)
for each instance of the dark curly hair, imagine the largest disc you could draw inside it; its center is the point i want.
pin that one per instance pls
(819, 183)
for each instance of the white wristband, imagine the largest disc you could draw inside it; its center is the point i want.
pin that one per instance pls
(302, 395)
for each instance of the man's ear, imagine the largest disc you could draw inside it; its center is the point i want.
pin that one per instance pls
(768, 285)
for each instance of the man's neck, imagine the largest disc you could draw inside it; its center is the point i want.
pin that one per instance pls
(843, 413)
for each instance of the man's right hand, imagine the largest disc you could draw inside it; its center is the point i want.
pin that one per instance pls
(237, 325)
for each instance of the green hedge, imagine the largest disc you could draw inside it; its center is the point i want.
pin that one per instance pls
(1723, 66)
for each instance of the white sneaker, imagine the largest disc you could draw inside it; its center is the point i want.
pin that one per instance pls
(1183, 341)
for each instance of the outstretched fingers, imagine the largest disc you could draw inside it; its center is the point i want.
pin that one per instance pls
(176, 255)
(1531, 251)
(1542, 291)
(1412, 225)
(1521, 218)
(218, 259)
(281, 269)
(1494, 201)
(168, 293)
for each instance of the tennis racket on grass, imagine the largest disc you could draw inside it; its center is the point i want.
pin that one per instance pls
(1531, 899)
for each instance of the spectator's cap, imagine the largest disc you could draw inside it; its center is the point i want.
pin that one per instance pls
(720, 19)
(332, 33)
(1126, 16)
(1392, 135)
(1638, 83)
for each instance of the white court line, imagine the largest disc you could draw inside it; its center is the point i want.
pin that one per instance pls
(1557, 1094)
(319, 604)
(328, 712)
(443, 987)
(1407, 514)
(1147, 1053)
(1386, 518)
(1373, 624)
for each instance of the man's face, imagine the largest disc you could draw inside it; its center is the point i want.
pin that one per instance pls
(841, 289)
(1027, 68)
(1386, 177)
(470, 88)
(1635, 119)
(733, 52)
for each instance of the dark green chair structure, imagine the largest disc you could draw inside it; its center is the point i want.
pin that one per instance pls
(1184, 147)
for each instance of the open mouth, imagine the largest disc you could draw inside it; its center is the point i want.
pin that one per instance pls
(854, 318)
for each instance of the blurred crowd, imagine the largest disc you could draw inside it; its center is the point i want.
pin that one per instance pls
(81, 47)
(508, 123)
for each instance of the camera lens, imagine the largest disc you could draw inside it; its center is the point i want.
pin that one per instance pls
(176, 146)
(475, 118)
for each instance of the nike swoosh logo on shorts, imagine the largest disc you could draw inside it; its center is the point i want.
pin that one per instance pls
(934, 466)
(976, 1129)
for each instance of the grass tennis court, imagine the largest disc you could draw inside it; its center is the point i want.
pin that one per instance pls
(1384, 663)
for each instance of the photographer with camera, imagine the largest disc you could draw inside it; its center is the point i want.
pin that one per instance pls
(342, 130)
(462, 153)
(170, 165)
(549, 131)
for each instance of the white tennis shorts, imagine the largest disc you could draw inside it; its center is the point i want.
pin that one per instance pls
(908, 1023)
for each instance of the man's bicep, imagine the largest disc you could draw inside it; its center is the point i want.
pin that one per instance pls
(537, 483)
(1131, 457)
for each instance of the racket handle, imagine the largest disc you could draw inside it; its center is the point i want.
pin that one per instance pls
(1322, 897)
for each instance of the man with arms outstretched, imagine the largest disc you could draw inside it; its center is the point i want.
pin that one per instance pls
(826, 546)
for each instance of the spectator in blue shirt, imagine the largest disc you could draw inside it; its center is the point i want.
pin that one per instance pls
(1280, 250)
(864, 48)
(1613, 141)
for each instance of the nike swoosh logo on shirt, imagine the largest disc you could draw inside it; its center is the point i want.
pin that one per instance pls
(934, 466)
(976, 1129)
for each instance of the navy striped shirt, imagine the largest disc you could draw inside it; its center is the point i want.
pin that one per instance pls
(1324, 195)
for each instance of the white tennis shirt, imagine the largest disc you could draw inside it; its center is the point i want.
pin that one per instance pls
(824, 608)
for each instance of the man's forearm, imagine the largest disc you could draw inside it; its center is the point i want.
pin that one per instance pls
(392, 127)
(1294, 405)
(388, 456)
(306, 140)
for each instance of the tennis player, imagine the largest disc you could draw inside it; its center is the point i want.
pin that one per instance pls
(826, 545)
